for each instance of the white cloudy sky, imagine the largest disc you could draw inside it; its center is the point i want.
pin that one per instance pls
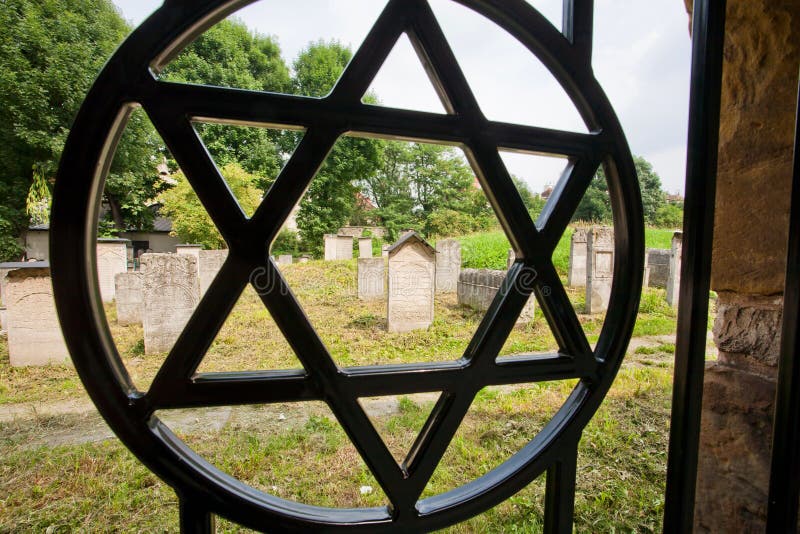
(641, 57)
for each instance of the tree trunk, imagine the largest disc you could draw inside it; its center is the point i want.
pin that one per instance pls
(116, 212)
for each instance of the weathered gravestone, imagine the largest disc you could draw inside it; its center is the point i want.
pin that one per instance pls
(210, 262)
(412, 278)
(656, 267)
(576, 277)
(34, 333)
(674, 280)
(303, 259)
(330, 246)
(364, 247)
(477, 289)
(171, 291)
(129, 300)
(344, 247)
(599, 268)
(371, 278)
(112, 259)
(284, 259)
(448, 265)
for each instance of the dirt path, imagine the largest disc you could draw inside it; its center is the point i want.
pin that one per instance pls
(72, 422)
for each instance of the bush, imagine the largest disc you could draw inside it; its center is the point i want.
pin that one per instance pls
(287, 242)
(668, 216)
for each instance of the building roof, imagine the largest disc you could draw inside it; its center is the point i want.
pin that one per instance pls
(410, 236)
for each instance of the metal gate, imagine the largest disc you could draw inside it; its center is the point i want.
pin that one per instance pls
(128, 81)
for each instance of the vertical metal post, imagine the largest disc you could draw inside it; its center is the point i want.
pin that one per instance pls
(559, 497)
(195, 518)
(708, 36)
(784, 478)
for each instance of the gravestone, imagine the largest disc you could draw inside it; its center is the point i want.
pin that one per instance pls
(303, 259)
(674, 280)
(657, 267)
(412, 279)
(477, 289)
(112, 259)
(448, 265)
(576, 277)
(285, 259)
(344, 247)
(371, 278)
(171, 291)
(210, 262)
(330, 246)
(364, 247)
(599, 268)
(34, 333)
(129, 298)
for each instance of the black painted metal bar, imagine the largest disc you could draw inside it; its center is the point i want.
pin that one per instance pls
(579, 25)
(708, 35)
(784, 479)
(559, 498)
(195, 518)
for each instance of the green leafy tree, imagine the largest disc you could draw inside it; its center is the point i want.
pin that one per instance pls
(231, 55)
(191, 222)
(331, 198)
(669, 216)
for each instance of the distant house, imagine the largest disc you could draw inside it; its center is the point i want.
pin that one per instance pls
(547, 192)
(37, 238)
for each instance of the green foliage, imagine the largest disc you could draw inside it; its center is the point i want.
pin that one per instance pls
(331, 198)
(595, 207)
(191, 222)
(286, 242)
(37, 205)
(668, 216)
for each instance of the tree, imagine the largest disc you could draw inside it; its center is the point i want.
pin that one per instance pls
(230, 55)
(668, 216)
(191, 222)
(331, 197)
(596, 205)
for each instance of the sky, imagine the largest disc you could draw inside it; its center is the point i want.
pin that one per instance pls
(641, 57)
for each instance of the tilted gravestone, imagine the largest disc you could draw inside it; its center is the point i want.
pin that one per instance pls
(477, 289)
(599, 268)
(171, 291)
(210, 262)
(576, 277)
(129, 299)
(448, 265)
(364, 247)
(674, 280)
(371, 278)
(112, 259)
(34, 333)
(412, 279)
(656, 267)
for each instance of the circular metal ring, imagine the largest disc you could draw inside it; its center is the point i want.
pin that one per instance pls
(128, 80)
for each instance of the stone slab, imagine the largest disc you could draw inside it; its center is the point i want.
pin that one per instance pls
(344, 247)
(657, 267)
(448, 265)
(412, 280)
(371, 278)
(364, 247)
(576, 276)
(171, 291)
(129, 298)
(112, 259)
(674, 279)
(210, 263)
(599, 268)
(477, 289)
(34, 333)
(285, 259)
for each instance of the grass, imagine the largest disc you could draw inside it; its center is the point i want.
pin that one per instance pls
(299, 451)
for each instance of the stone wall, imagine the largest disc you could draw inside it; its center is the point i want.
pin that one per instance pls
(478, 287)
(762, 54)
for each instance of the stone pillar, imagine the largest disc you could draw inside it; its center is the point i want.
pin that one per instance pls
(599, 268)
(412, 273)
(371, 278)
(171, 291)
(759, 96)
(34, 333)
(576, 276)
(210, 262)
(674, 278)
(129, 298)
(364, 247)
(330, 246)
(448, 265)
(112, 258)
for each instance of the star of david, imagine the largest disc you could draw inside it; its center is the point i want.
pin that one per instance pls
(172, 107)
